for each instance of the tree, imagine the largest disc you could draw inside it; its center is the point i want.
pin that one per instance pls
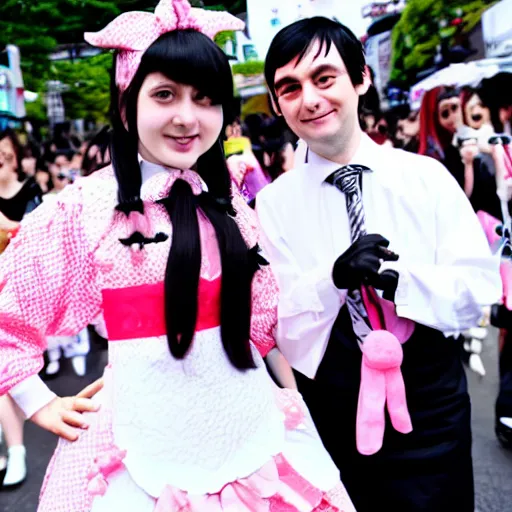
(37, 27)
(88, 93)
(425, 26)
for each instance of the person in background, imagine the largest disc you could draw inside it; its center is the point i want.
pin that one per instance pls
(63, 139)
(75, 347)
(375, 124)
(29, 159)
(18, 195)
(60, 172)
(97, 152)
(495, 94)
(43, 176)
(407, 131)
(245, 169)
(277, 144)
(440, 117)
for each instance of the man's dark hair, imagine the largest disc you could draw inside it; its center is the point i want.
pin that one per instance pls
(296, 39)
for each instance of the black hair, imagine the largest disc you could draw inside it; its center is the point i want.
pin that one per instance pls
(31, 150)
(275, 135)
(189, 57)
(18, 150)
(448, 94)
(495, 94)
(101, 141)
(296, 39)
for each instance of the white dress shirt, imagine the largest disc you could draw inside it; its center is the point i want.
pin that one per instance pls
(446, 270)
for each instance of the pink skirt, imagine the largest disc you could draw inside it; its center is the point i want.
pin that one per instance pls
(88, 475)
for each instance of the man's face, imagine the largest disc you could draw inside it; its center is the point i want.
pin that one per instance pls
(318, 100)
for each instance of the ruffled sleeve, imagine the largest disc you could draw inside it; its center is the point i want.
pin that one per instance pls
(47, 285)
(264, 285)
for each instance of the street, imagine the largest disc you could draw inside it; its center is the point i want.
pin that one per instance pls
(493, 465)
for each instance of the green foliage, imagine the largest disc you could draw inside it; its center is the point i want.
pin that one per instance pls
(37, 27)
(253, 67)
(89, 82)
(417, 35)
(223, 37)
(88, 96)
(233, 6)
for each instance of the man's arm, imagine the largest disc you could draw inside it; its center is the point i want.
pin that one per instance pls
(449, 295)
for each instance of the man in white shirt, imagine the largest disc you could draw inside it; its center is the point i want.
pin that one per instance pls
(444, 274)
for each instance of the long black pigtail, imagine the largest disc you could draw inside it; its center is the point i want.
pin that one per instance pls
(174, 51)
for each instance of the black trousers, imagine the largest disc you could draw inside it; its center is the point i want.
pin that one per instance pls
(428, 470)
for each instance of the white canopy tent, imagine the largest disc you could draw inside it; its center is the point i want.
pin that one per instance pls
(459, 75)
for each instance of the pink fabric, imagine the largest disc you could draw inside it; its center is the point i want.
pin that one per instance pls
(506, 279)
(104, 465)
(256, 493)
(502, 156)
(245, 495)
(382, 315)
(134, 32)
(140, 223)
(67, 251)
(264, 285)
(47, 286)
(381, 378)
(66, 485)
(51, 281)
(254, 181)
(294, 481)
(489, 225)
(138, 311)
(292, 405)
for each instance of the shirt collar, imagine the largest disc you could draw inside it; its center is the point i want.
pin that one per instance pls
(319, 168)
(157, 180)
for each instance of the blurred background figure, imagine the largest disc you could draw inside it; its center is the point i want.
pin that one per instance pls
(97, 153)
(407, 131)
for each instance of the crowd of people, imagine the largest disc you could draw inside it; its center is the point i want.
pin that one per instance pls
(285, 297)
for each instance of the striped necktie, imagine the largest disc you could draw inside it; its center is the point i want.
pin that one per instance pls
(347, 179)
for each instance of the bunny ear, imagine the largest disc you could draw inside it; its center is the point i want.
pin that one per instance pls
(169, 12)
(129, 31)
(211, 23)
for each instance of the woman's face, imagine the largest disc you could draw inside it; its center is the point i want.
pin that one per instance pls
(408, 128)
(449, 114)
(176, 123)
(477, 114)
(8, 161)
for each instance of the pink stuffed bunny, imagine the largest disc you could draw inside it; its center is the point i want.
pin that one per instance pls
(381, 378)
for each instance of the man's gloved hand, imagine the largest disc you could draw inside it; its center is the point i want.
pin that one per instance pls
(360, 264)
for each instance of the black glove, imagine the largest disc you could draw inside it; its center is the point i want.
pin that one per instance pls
(360, 264)
(386, 281)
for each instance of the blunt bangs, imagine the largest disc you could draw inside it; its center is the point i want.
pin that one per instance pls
(191, 58)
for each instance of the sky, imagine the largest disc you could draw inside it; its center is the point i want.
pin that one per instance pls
(267, 17)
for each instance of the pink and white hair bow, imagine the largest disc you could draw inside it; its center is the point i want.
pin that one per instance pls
(132, 33)
(381, 378)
